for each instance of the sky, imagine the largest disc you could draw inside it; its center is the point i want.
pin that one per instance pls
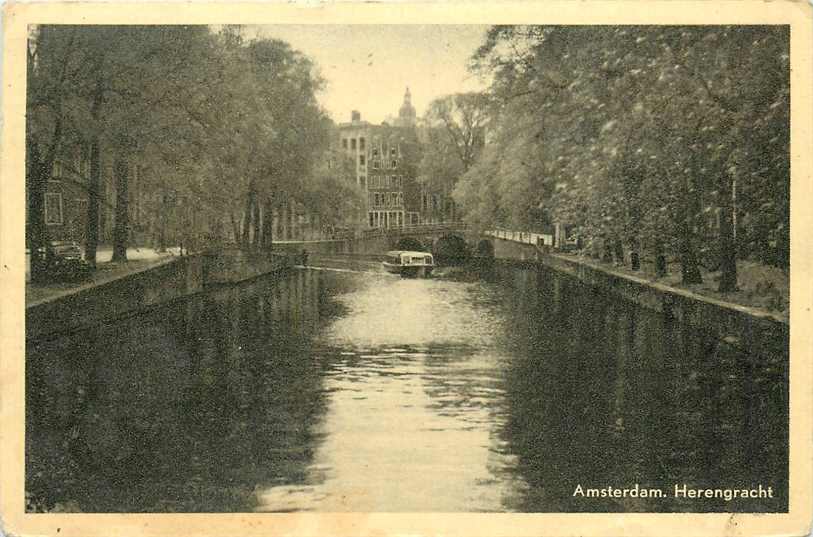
(368, 67)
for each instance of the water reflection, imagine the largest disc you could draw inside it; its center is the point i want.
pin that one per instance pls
(190, 407)
(348, 391)
(606, 394)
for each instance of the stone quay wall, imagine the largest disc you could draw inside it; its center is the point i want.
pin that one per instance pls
(743, 327)
(174, 279)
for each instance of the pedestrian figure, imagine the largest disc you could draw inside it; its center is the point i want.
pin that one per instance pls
(304, 258)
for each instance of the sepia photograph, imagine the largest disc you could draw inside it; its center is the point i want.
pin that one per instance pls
(434, 267)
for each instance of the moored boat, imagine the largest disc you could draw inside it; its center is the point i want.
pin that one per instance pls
(409, 264)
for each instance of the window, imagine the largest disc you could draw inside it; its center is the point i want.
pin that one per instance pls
(361, 143)
(400, 199)
(393, 152)
(84, 165)
(352, 143)
(372, 219)
(344, 143)
(53, 208)
(375, 152)
(362, 160)
(57, 172)
(394, 163)
(375, 164)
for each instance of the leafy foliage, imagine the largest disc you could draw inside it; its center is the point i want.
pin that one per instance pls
(657, 138)
(217, 128)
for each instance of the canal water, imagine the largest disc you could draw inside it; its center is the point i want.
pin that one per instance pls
(345, 389)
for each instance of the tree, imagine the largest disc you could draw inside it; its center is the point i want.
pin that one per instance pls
(50, 56)
(454, 136)
(126, 91)
(649, 138)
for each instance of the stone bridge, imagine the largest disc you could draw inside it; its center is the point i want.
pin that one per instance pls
(449, 236)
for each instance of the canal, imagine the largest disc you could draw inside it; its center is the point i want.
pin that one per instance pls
(345, 389)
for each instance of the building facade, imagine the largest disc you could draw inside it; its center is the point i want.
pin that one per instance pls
(66, 201)
(386, 158)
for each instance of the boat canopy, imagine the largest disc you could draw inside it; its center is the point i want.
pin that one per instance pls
(406, 257)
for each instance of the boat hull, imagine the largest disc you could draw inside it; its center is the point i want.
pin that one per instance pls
(416, 272)
(409, 271)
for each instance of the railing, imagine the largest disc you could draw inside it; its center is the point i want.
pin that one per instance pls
(415, 228)
(526, 237)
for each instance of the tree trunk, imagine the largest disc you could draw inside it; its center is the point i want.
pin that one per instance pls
(257, 223)
(246, 240)
(268, 224)
(235, 228)
(37, 233)
(292, 226)
(122, 223)
(284, 220)
(95, 182)
(618, 252)
(162, 231)
(94, 187)
(635, 253)
(728, 250)
(689, 267)
(660, 259)
(607, 256)
(689, 263)
(40, 174)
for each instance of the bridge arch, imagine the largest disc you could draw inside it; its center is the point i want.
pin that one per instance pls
(485, 248)
(451, 249)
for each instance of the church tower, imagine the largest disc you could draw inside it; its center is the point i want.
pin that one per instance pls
(407, 115)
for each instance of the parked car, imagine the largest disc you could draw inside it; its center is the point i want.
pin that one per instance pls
(64, 262)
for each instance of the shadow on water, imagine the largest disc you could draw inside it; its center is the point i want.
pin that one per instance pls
(603, 393)
(188, 407)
